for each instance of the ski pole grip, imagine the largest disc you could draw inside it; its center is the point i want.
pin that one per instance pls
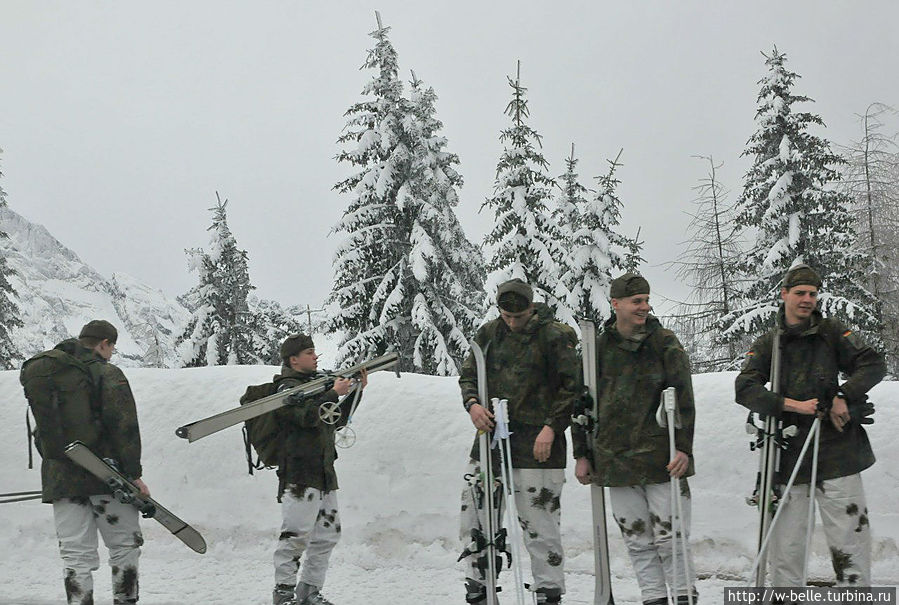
(669, 398)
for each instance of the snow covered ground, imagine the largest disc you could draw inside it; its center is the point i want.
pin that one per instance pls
(399, 497)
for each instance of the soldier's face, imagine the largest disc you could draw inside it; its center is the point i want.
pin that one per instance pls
(516, 321)
(105, 349)
(799, 303)
(631, 311)
(305, 361)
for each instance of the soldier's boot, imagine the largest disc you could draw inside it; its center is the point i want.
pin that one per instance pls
(659, 601)
(683, 599)
(283, 594)
(475, 593)
(548, 596)
(307, 594)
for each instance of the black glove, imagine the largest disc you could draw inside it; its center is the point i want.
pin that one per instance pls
(861, 411)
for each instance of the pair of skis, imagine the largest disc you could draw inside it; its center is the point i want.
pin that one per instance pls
(126, 492)
(218, 422)
(491, 539)
(587, 418)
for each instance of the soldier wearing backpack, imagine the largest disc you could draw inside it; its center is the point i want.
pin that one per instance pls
(307, 488)
(636, 360)
(532, 362)
(76, 394)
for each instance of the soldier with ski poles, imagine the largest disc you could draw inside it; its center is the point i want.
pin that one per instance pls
(813, 351)
(636, 359)
(531, 361)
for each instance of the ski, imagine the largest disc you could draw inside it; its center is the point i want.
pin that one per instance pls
(126, 492)
(20, 496)
(491, 506)
(213, 424)
(588, 419)
(768, 468)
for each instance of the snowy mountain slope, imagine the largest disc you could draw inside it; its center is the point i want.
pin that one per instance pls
(58, 293)
(399, 498)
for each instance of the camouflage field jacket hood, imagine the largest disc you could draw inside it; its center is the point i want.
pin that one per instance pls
(538, 371)
(812, 356)
(630, 448)
(309, 450)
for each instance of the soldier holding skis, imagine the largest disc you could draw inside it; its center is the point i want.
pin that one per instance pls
(76, 394)
(531, 361)
(307, 488)
(814, 351)
(636, 360)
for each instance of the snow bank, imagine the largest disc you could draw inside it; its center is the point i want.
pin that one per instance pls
(399, 497)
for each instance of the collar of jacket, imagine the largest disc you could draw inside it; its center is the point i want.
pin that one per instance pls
(73, 347)
(287, 372)
(811, 328)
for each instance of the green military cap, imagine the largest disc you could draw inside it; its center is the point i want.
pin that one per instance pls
(294, 344)
(514, 296)
(801, 275)
(101, 329)
(629, 284)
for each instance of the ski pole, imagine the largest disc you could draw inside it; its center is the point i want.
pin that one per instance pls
(502, 435)
(669, 401)
(808, 440)
(810, 526)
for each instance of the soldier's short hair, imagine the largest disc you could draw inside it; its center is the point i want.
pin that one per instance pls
(98, 330)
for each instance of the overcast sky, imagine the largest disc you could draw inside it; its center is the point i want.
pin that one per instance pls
(119, 121)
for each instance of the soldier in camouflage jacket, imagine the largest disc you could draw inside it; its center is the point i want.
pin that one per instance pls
(532, 362)
(307, 489)
(636, 360)
(814, 351)
(82, 504)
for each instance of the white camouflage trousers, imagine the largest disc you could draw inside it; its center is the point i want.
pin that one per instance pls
(844, 515)
(310, 525)
(77, 523)
(643, 514)
(537, 493)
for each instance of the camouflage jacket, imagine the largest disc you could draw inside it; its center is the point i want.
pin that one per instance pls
(309, 451)
(812, 356)
(118, 437)
(538, 371)
(630, 448)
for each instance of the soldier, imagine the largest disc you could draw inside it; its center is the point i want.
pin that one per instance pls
(532, 362)
(76, 394)
(636, 360)
(814, 350)
(307, 488)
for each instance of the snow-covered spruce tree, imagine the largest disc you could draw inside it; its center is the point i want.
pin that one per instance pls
(268, 325)
(218, 332)
(524, 242)
(569, 203)
(598, 252)
(790, 202)
(709, 266)
(406, 277)
(871, 179)
(9, 310)
(369, 264)
(445, 276)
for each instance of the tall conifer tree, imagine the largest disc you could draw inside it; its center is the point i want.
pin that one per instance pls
(524, 243)
(790, 202)
(218, 332)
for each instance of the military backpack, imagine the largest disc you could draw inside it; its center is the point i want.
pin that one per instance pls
(63, 393)
(262, 433)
